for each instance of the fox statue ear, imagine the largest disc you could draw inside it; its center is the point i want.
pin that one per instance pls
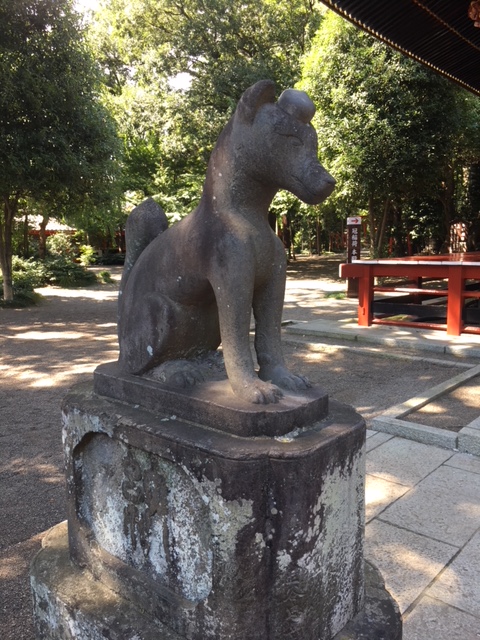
(297, 104)
(262, 92)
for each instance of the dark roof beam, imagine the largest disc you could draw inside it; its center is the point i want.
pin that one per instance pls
(437, 33)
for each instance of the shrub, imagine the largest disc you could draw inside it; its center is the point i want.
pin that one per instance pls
(87, 255)
(21, 299)
(57, 270)
(105, 277)
(60, 244)
(26, 275)
(63, 272)
(111, 259)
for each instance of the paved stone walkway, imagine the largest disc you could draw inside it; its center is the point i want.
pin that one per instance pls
(422, 501)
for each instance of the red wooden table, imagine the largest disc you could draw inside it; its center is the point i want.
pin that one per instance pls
(455, 269)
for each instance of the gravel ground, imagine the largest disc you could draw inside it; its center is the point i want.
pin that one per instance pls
(44, 350)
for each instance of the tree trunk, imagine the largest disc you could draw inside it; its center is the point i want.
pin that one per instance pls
(42, 238)
(317, 234)
(448, 203)
(371, 223)
(26, 247)
(383, 225)
(9, 208)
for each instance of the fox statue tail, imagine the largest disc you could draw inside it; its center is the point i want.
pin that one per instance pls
(144, 223)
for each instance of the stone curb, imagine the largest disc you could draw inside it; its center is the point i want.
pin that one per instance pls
(468, 438)
(463, 348)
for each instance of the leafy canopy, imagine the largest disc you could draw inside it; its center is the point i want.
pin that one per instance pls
(388, 127)
(386, 124)
(57, 140)
(221, 47)
(55, 134)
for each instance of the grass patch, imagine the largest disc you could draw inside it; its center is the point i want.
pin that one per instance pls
(335, 295)
(105, 278)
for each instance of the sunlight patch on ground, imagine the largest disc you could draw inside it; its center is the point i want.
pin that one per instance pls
(469, 508)
(432, 408)
(413, 560)
(48, 335)
(316, 285)
(49, 473)
(52, 292)
(9, 568)
(314, 357)
(38, 380)
(375, 495)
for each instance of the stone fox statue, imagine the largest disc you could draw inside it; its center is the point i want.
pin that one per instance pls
(188, 288)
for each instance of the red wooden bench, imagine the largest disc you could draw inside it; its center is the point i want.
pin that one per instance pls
(454, 269)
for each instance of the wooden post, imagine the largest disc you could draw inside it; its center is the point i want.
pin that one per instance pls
(456, 282)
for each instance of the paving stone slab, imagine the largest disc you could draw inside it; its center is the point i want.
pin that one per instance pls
(434, 620)
(407, 561)
(405, 462)
(376, 439)
(379, 494)
(465, 461)
(444, 506)
(459, 584)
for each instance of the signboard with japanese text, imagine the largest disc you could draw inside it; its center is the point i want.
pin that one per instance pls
(354, 227)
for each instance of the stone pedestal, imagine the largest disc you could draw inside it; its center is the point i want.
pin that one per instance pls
(181, 528)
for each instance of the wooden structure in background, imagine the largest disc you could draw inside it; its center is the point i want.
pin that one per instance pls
(422, 307)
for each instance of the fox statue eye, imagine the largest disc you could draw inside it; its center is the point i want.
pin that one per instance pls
(291, 129)
(292, 138)
(295, 141)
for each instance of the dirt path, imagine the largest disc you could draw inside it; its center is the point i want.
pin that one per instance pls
(45, 350)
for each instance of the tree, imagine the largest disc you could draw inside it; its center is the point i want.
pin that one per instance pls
(222, 47)
(387, 126)
(57, 140)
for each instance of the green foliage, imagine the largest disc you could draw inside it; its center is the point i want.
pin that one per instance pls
(56, 135)
(111, 258)
(105, 277)
(381, 117)
(87, 255)
(223, 47)
(389, 129)
(64, 272)
(59, 270)
(21, 298)
(60, 244)
(57, 140)
(27, 274)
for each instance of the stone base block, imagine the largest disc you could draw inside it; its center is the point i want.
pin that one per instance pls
(218, 535)
(213, 404)
(70, 605)
(380, 618)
